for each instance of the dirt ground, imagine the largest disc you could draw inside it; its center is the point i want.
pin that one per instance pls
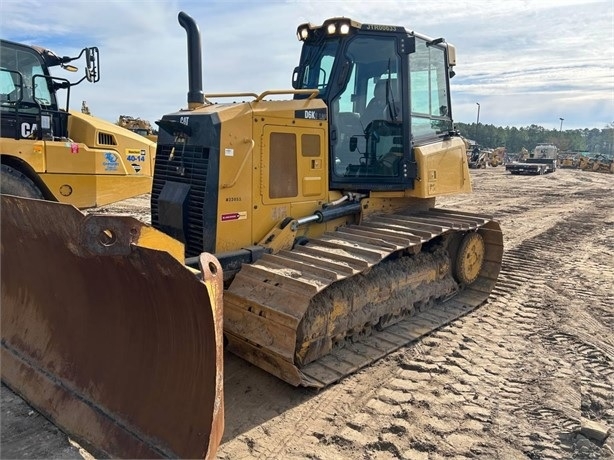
(519, 378)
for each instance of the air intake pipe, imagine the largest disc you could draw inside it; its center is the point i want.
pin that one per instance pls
(195, 65)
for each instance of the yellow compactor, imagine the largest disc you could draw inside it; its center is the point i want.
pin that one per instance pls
(317, 202)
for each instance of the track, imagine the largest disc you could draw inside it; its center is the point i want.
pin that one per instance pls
(322, 311)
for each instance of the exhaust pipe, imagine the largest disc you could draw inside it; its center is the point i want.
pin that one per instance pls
(195, 66)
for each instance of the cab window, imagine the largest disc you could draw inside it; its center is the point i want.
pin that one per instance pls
(430, 114)
(32, 87)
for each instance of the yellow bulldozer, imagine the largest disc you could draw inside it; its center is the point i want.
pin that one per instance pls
(597, 163)
(315, 212)
(569, 160)
(50, 152)
(137, 125)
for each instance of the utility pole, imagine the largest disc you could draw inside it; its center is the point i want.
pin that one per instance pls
(477, 123)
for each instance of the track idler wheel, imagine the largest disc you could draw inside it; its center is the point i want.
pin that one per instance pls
(469, 258)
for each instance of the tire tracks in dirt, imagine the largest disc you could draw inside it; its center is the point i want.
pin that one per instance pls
(488, 376)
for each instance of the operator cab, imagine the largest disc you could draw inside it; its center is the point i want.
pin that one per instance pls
(387, 91)
(28, 92)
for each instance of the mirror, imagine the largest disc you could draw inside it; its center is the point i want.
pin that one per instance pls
(92, 64)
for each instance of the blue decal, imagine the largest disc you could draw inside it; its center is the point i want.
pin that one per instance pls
(110, 163)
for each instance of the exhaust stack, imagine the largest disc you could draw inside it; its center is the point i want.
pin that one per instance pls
(195, 67)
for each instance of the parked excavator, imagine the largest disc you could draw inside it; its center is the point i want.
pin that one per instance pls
(48, 151)
(320, 220)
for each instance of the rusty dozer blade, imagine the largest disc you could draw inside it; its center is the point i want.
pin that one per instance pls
(118, 344)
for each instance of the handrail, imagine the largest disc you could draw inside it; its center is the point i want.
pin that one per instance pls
(258, 97)
(312, 92)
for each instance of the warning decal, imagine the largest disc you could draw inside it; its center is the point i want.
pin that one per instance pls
(234, 216)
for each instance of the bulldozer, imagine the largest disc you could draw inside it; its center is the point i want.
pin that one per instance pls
(569, 160)
(318, 222)
(50, 152)
(137, 125)
(324, 221)
(597, 163)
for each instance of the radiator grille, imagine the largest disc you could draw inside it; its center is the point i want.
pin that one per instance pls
(193, 161)
(106, 139)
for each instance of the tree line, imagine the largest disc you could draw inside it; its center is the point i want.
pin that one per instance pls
(591, 141)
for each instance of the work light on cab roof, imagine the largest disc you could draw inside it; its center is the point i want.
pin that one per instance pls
(334, 26)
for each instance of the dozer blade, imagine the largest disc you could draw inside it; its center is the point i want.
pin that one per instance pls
(323, 310)
(118, 344)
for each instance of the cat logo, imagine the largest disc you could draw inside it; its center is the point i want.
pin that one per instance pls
(28, 129)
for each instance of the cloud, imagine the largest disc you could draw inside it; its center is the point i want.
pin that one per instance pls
(525, 62)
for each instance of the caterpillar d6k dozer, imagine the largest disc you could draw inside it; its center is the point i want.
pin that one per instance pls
(318, 201)
(89, 342)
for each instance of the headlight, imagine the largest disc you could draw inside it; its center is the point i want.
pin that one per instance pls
(302, 33)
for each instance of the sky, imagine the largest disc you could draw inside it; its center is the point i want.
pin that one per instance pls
(524, 62)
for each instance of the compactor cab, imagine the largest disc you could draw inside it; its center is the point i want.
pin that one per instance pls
(50, 152)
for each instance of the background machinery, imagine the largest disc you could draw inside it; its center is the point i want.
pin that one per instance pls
(50, 152)
(542, 160)
(597, 163)
(478, 158)
(322, 221)
(497, 156)
(137, 125)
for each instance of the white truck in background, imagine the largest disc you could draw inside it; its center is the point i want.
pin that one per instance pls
(543, 159)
